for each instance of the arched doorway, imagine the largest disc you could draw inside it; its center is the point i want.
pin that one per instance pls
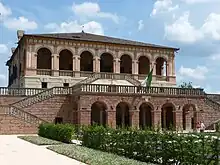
(106, 63)
(86, 61)
(189, 117)
(66, 60)
(144, 65)
(168, 116)
(44, 58)
(145, 115)
(161, 67)
(126, 64)
(122, 115)
(98, 113)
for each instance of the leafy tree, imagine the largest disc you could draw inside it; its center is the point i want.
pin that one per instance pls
(186, 85)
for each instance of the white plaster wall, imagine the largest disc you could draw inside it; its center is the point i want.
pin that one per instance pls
(35, 81)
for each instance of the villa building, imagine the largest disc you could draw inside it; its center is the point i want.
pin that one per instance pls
(83, 78)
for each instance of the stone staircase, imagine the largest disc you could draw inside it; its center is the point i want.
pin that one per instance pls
(22, 115)
(15, 109)
(132, 80)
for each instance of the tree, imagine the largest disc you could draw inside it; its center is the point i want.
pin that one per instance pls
(186, 85)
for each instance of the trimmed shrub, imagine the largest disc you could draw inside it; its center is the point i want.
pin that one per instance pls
(154, 147)
(60, 132)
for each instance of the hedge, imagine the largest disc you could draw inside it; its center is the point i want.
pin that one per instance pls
(59, 132)
(154, 147)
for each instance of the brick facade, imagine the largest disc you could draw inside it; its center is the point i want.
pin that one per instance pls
(77, 110)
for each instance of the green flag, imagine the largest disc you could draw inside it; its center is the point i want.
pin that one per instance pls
(149, 78)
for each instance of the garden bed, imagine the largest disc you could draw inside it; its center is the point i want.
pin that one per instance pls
(93, 157)
(39, 140)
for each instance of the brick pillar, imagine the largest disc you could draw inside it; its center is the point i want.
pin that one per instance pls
(111, 118)
(84, 116)
(178, 119)
(134, 118)
(156, 118)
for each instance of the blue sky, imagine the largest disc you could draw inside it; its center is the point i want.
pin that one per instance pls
(191, 25)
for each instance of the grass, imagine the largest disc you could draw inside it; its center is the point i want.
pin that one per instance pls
(38, 140)
(91, 156)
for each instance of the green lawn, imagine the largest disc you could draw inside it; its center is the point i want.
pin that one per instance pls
(93, 157)
(39, 140)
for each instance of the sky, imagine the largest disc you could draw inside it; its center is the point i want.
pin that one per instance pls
(191, 25)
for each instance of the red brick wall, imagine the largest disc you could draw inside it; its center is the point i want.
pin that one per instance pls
(205, 113)
(59, 106)
(12, 125)
(66, 107)
(5, 100)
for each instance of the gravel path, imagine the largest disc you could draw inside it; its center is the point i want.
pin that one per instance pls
(16, 151)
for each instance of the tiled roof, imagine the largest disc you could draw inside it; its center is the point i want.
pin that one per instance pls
(98, 38)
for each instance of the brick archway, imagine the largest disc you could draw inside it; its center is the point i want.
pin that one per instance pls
(145, 115)
(123, 118)
(189, 117)
(168, 116)
(98, 113)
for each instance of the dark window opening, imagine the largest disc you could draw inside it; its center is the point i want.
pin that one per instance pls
(58, 120)
(66, 84)
(44, 85)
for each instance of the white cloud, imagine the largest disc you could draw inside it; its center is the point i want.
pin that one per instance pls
(197, 73)
(74, 26)
(92, 10)
(20, 23)
(199, 1)
(182, 30)
(215, 57)
(140, 25)
(162, 6)
(211, 27)
(4, 10)
(3, 49)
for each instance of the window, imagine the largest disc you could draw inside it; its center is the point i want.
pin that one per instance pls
(66, 84)
(58, 120)
(44, 85)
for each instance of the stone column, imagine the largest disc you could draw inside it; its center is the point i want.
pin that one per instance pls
(170, 68)
(31, 62)
(116, 65)
(55, 64)
(96, 64)
(153, 65)
(84, 116)
(134, 118)
(111, 118)
(173, 67)
(76, 65)
(74, 62)
(135, 64)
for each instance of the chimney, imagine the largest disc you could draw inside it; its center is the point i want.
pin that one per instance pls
(20, 34)
(13, 50)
